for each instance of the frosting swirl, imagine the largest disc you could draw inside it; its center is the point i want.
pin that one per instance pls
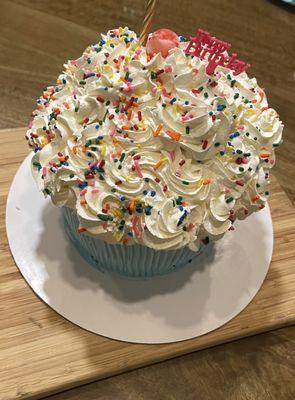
(152, 150)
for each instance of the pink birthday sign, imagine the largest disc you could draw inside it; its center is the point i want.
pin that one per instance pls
(215, 51)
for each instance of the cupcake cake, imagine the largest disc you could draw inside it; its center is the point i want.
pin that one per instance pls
(153, 151)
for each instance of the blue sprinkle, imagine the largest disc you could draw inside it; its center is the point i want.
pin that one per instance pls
(180, 208)
(173, 100)
(153, 193)
(123, 198)
(97, 126)
(211, 113)
(145, 192)
(186, 102)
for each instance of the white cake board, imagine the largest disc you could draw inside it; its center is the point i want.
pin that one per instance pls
(191, 302)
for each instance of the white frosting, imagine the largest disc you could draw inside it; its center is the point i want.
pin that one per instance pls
(97, 148)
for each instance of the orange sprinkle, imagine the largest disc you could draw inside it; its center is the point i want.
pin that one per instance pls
(131, 206)
(184, 203)
(264, 155)
(261, 206)
(129, 115)
(255, 198)
(125, 241)
(83, 202)
(125, 127)
(84, 149)
(206, 181)
(75, 150)
(158, 130)
(174, 135)
(62, 159)
(134, 104)
(80, 230)
(115, 140)
(122, 79)
(159, 163)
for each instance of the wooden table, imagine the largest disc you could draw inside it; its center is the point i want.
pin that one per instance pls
(262, 32)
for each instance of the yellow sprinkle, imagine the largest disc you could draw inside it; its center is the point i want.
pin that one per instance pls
(117, 236)
(200, 183)
(111, 76)
(117, 212)
(103, 150)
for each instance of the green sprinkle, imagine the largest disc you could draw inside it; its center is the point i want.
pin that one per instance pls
(37, 164)
(105, 217)
(82, 82)
(185, 182)
(217, 144)
(247, 134)
(229, 200)
(88, 143)
(179, 200)
(236, 95)
(47, 191)
(113, 190)
(232, 84)
(72, 176)
(76, 109)
(239, 151)
(221, 153)
(147, 179)
(153, 75)
(206, 95)
(187, 130)
(122, 157)
(228, 77)
(241, 169)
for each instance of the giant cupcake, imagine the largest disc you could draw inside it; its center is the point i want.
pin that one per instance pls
(148, 155)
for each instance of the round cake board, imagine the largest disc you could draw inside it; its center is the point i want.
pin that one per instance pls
(187, 303)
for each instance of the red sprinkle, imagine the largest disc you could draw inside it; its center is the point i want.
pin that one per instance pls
(205, 144)
(89, 176)
(139, 115)
(86, 120)
(100, 99)
(158, 180)
(111, 116)
(240, 183)
(165, 188)
(119, 182)
(181, 162)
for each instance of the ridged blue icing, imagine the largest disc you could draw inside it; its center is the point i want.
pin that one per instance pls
(135, 261)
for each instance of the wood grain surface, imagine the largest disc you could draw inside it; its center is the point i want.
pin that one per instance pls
(42, 353)
(35, 39)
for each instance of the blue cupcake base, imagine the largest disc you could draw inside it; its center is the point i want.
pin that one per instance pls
(134, 261)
